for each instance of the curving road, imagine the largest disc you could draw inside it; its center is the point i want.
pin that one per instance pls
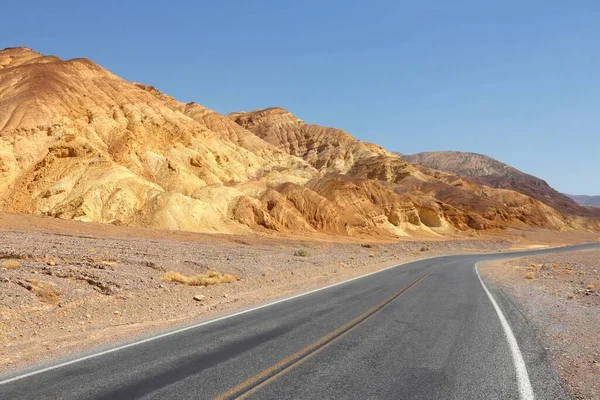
(428, 329)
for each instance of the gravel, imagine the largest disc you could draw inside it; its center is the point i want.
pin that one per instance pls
(74, 290)
(563, 303)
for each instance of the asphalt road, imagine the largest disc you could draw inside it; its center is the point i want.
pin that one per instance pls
(423, 330)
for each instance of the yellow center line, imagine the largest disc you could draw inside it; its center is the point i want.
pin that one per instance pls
(250, 385)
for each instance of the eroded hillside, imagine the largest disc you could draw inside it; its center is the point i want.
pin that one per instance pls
(445, 199)
(488, 171)
(78, 142)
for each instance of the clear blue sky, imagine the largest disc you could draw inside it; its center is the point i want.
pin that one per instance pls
(517, 80)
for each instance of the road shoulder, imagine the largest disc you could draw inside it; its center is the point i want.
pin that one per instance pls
(558, 295)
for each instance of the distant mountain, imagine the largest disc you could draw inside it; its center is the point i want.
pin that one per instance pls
(491, 172)
(584, 200)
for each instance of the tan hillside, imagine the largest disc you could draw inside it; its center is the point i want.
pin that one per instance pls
(329, 150)
(490, 172)
(78, 142)
(465, 204)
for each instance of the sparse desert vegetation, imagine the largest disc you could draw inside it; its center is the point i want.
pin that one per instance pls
(301, 253)
(87, 284)
(10, 264)
(43, 290)
(212, 277)
(529, 275)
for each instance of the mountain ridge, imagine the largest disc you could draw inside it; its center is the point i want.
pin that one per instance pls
(78, 142)
(585, 200)
(488, 171)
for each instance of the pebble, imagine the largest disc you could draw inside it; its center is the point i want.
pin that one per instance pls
(199, 297)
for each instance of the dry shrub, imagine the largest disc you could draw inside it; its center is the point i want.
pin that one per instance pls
(42, 290)
(529, 275)
(424, 248)
(212, 277)
(301, 253)
(554, 266)
(531, 268)
(10, 264)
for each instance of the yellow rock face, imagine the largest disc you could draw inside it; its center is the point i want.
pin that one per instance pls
(78, 142)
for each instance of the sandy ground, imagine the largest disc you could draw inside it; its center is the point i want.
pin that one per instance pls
(560, 295)
(67, 286)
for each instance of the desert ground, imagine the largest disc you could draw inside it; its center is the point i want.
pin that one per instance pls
(66, 286)
(560, 295)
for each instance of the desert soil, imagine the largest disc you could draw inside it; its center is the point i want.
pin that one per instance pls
(67, 286)
(560, 295)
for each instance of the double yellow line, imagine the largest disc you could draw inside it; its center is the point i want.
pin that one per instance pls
(249, 386)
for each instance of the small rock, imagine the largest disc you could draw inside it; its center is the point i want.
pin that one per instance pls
(225, 295)
(117, 312)
(199, 297)
(161, 286)
(51, 263)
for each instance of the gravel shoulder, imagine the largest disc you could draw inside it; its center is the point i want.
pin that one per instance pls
(67, 286)
(62, 292)
(560, 295)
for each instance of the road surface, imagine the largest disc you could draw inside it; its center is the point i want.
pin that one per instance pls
(427, 329)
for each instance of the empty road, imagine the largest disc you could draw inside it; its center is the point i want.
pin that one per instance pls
(427, 329)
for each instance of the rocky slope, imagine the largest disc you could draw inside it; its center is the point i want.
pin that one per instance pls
(78, 142)
(462, 203)
(584, 200)
(491, 172)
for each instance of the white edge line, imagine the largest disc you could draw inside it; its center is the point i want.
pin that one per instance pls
(525, 389)
(187, 328)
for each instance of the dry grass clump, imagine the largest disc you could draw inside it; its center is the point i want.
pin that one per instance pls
(529, 275)
(424, 248)
(301, 253)
(10, 264)
(42, 290)
(212, 277)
